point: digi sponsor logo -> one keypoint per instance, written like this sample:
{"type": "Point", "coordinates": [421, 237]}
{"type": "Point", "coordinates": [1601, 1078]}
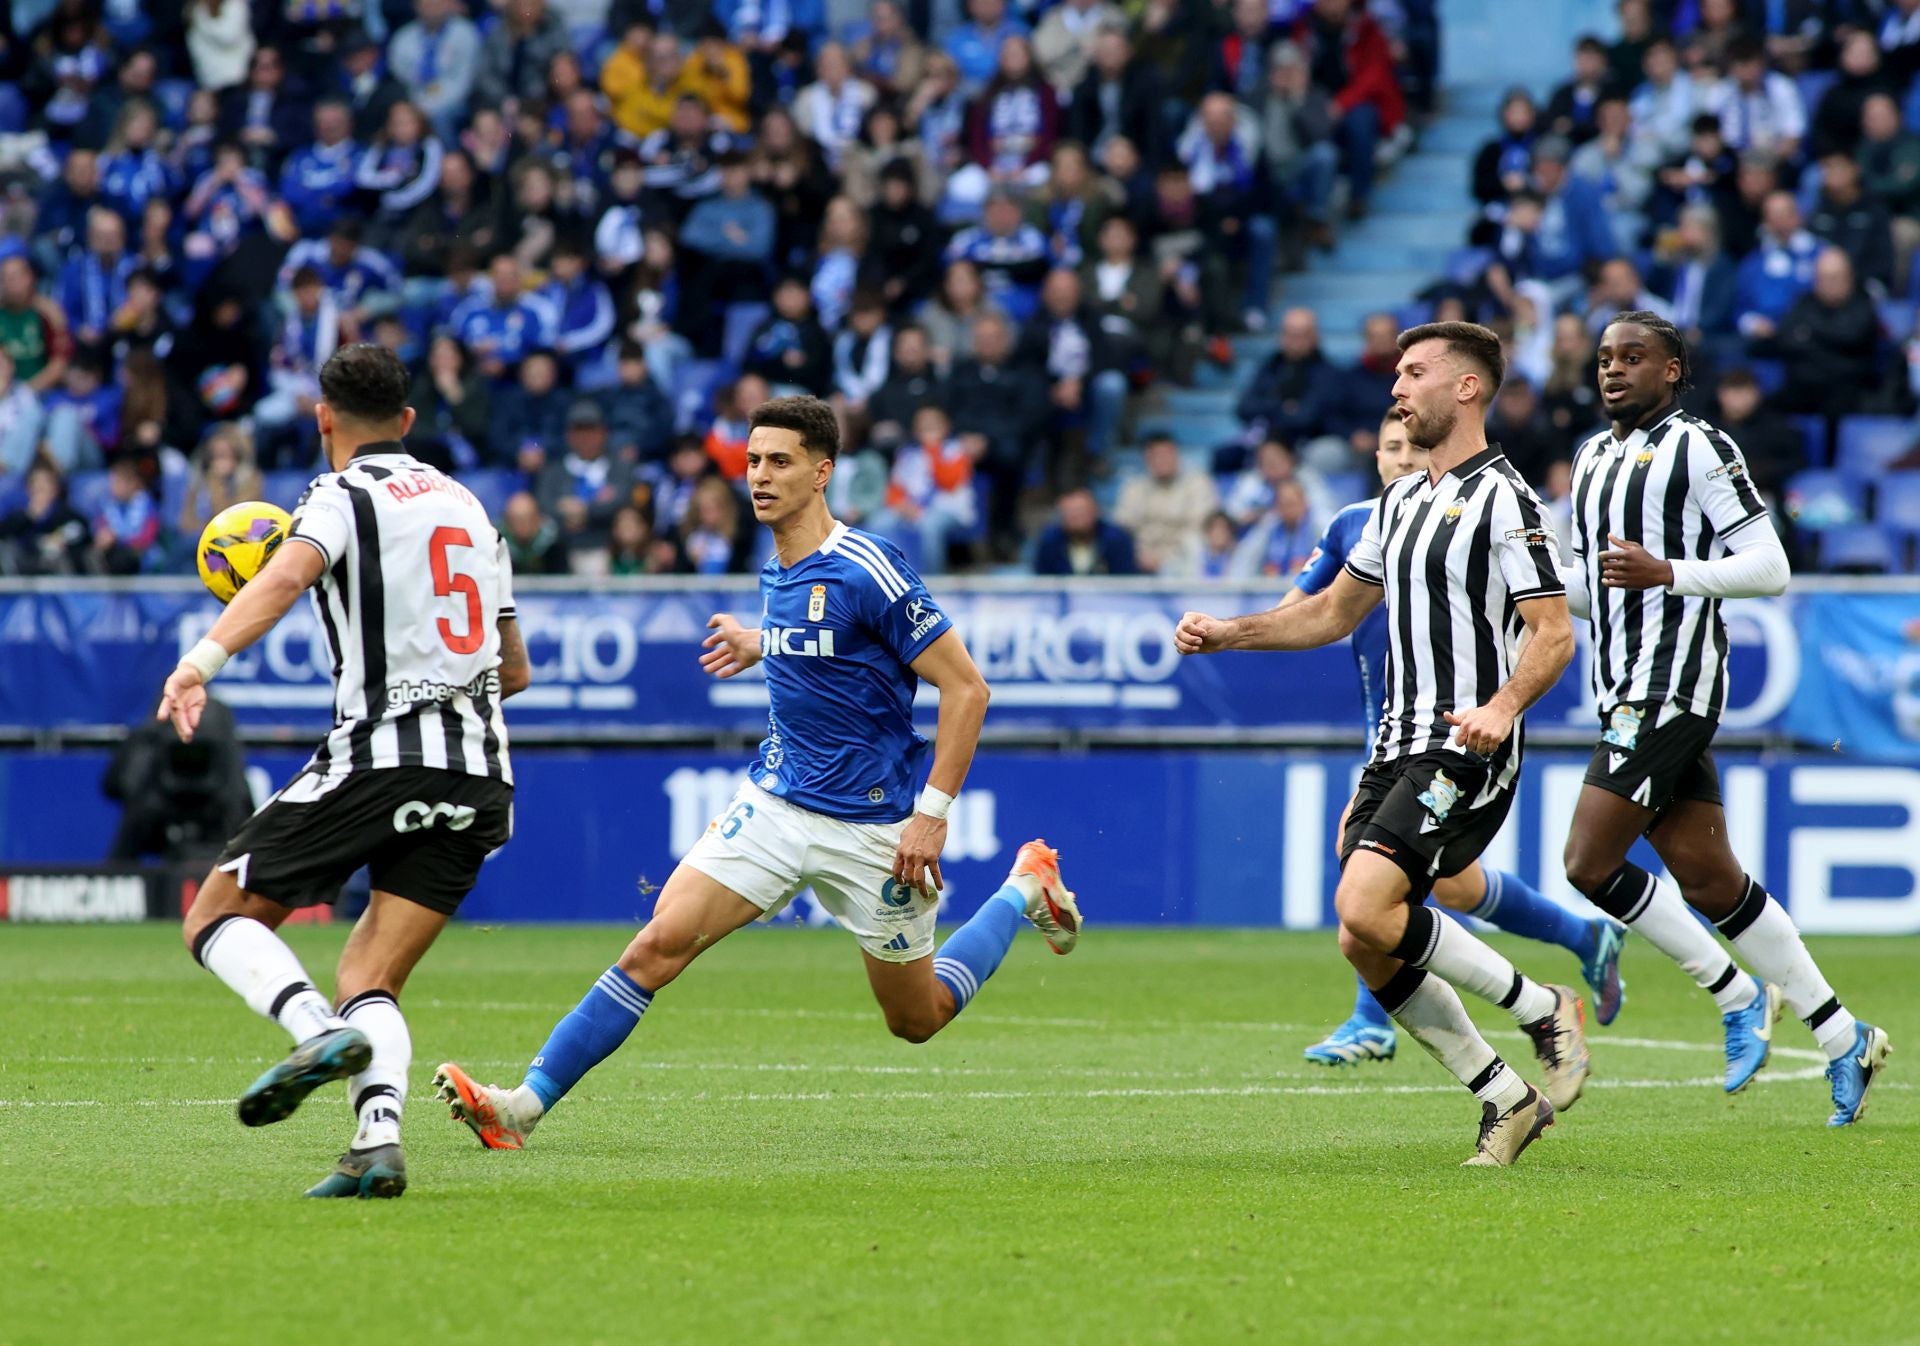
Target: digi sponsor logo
{"type": "Point", "coordinates": [796, 642]}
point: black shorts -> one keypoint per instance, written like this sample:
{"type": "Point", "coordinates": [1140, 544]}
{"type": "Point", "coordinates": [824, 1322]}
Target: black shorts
{"type": "Point", "coordinates": [1654, 764]}
{"type": "Point", "coordinates": [422, 833]}
{"type": "Point", "coordinates": [1419, 813]}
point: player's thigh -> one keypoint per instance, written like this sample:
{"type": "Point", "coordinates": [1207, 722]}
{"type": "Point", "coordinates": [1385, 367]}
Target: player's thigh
{"type": "Point", "coordinates": [1605, 825]}
{"type": "Point", "coordinates": [387, 943]}
{"type": "Point", "coordinates": [746, 865]}
{"type": "Point", "coordinates": [914, 1002]}
{"type": "Point", "coordinates": [1372, 897]}
{"type": "Point", "coordinates": [694, 911]}
{"type": "Point", "coordinates": [850, 866]}
{"type": "Point", "coordinates": [1463, 891]}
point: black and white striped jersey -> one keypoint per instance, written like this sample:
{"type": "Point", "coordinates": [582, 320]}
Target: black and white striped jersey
{"type": "Point", "coordinates": [1680, 489]}
{"type": "Point", "coordinates": [1455, 557]}
{"type": "Point", "coordinates": [416, 583]}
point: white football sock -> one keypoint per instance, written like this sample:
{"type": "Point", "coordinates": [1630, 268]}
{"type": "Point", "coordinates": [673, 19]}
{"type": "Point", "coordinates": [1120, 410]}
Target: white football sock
{"type": "Point", "coordinates": [378, 1094]}
{"type": "Point", "coordinates": [1434, 1017]}
{"type": "Point", "coordinates": [1664, 921]}
{"type": "Point", "coordinates": [1761, 929]}
{"type": "Point", "coordinates": [1449, 950]}
{"type": "Point", "coordinates": [263, 971]}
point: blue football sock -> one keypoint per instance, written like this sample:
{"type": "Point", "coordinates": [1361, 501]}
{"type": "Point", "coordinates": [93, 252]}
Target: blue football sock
{"type": "Point", "coordinates": [1367, 1009]}
{"type": "Point", "coordinates": [589, 1035]}
{"type": "Point", "coordinates": [973, 952]}
{"type": "Point", "coordinates": [1514, 907]}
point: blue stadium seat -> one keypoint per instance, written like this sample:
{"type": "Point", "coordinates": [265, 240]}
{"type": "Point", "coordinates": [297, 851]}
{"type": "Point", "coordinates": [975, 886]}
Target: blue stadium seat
{"type": "Point", "coordinates": [1859, 549]}
{"type": "Point", "coordinates": [1771, 375]}
{"type": "Point", "coordinates": [1896, 502]}
{"type": "Point", "coordinates": [1813, 429]}
{"type": "Point", "coordinates": [87, 493]}
{"type": "Point", "coordinates": [491, 486]}
{"type": "Point", "coordinates": [1896, 316]}
{"type": "Point", "coordinates": [284, 488]}
{"type": "Point", "coordinates": [693, 385]}
{"type": "Point", "coordinates": [742, 321]}
{"type": "Point", "coordinates": [1866, 444]}
{"type": "Point", "coordinates": [1821, 498]}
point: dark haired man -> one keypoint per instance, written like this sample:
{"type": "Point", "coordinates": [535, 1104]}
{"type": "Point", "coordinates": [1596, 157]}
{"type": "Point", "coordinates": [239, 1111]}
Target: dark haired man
{"type": "Point", "coordinates": [849, 631]}
{"type": "Point", "coordinates": [413, 589]}
{"type": "Point", "coordinates": [1464, 661]}
{"type": "Point", "coordinates": [1659, 484]}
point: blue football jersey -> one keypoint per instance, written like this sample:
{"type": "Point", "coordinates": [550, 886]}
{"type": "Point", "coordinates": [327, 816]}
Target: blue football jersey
{"type": "Point", "coordinates": [1370, 637]}
{"type": "Point", "coordinates": [839, 632]}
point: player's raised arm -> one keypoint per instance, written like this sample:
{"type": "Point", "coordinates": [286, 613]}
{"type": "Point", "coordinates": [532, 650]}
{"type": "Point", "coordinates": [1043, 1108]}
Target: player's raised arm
{"type": "Point", "coordinates": [732, 649]}
{"type": "Point", "coordinates": [963, 709]}
{"type": "Point", "coordinates": [1312, 621]}
{"type": "Point", "coordinates": [253, 612]}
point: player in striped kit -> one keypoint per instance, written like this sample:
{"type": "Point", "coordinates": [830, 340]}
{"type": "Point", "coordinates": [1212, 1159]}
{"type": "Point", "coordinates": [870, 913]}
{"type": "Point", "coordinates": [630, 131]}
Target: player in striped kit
{"type": "Point", "coordinates": [413, 589]}
{"type": "Point", "coordinates": [1464, 559]}
{"type": "Point", "coordinates": [1666, 524]}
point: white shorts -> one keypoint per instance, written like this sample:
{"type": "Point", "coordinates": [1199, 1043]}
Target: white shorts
{"type": "Point", "coordinates": [767, 850]}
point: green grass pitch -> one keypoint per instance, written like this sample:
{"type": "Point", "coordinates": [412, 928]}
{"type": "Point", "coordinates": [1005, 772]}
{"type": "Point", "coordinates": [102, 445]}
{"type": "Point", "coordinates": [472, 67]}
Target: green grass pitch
{"type": "Point", "coordinates": [1121, 1146]}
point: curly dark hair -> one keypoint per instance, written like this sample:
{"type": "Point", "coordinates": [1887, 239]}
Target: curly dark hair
{"type": "Point", "coordinates": [365, 383]}
{"type": "Point", "coordinates": [809, 417]}
{"type": "Point", "coordinates": [1669, 336]}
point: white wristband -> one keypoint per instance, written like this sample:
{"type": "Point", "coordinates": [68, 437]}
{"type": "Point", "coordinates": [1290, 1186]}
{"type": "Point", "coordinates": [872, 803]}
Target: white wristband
{"type": "Point", "coordinates": [934, 803]}
{"type": "Point", "coordinates": [207, 659]}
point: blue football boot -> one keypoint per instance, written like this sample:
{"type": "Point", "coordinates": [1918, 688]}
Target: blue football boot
{"type": "Point", "coordinates": [377, 1172]}
{"type": "Point", "coordinates": [333, 1055]}
{"type": "Point", "coordinates": [1352, 1042]}
{"type": "Point", "coordinates": [1602, 971]}
{"type": "Point", "coordinates": [1750, 1037]}
{"type": "Point", "coordinates": [1853, 1074]}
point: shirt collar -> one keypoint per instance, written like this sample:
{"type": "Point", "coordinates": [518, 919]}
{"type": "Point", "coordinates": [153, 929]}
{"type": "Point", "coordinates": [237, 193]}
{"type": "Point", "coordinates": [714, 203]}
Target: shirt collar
{"type": "Point", "coordinates": [1471, 468]}
{"type": "Point", "coordinates": [381, 448]}
{"type": "Point", "coordinates": [1641, 436]}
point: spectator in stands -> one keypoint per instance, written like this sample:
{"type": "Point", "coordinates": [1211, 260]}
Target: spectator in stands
{"type": "Point", "coordinates": [1009, 254]}
{"type": "Point", "coordinates": [128, 525]}
{"type": "Point", "coordinates": [221, 357]}
{"type": "Point", "coordinates": [1662, 109]}
{"type": "Point", "coordinates": [462, 211]}
{"type": "Point", "coordinates": [93, 282]}
{"type": "Point", "coordinates": [912, 382]}
{"type": "Point", "coordinates": [1253, 490]}
{"type": "Point", "coordinates": [1574, 232]}
{"type": "Point", "coordinates": [515, 55]}
{"type": "Point", "coordinates": [318, 180]}
{"type": "Point", "coordinates": [1759, 109]}
{"type": "Point", "coordinates": [861, 351]}
{"type": "Point", "coordinates": [903, 253]}
{"type": "Point", "coordinates": [651, 296]}
{"type": "Point", "coordinates": [1118, 96]}
{"type": "Point", "coordinates": [223, 475]}
{"type": "Point", "coordinates": [1126, 296]}
{"type": "Point", "coordinates": [1221, 151]}
{"type": "Point", "coordinates": [1239, 58]}
{"type": "Point", "coordinates": [733, 406]}
{"type": "Point", "coordinates": [1573, 111]}
{"type": "Point", "coordinates": [1772, 445]}
{"type": "Point", "coordinates": [1889, 157]}
{"type": "Point", "coordinates": [1279, 542]}
{"type": "Point", "coordinates": [44, 535]}
{"type": "Point", "coordinates": [191, 154]}
{"type": "Point", "coordinates": [1285, 397]}
{"type": "Point", "coordinates": [265, 114]}
{"type": "Point", "coordinates": [1172, 38]}
{"type": "Point", "coordinates": [831, 109]}
{"type": "Point", "coordinates": [1704, 173]}
{"type": "Point", "coordinates": [884, 141]}
{"type": "Point", "coordinates": [639, 414]}
{"type": "Point", "coordinates": [1073, 206]}
{"type": "Point", "coordinates": [1857, 224]}
{"type": "Point", "coordinates": [791, 350]}
{"type": "Point", "coordinates": [1517, 424]}
{"type": "Point", "coordinates": [1618, 287]}
{"type": "Point", "coordinates": [582, 314]}
{"type": "Point", "coordinates": [1717, 28]}
{"type": "Point", "coordinates": [401, 166]}
{"type": "Point", "coordinates": [60, 225]}
{"type": "Point", "coordinates": [975, 45]}
{"type": "Point", "coordinates": [229, 200]}
{"type": "Point", "coordinates": [1694, 277]}
{"type": "Point", "coordinates": [82, 427]}
{"type": "Point", "coordinates": [1347, 51]}
{"type": "Point", "coordinates": [1741, 213]}
{"type": "Point", "coordinates": [1830, 342]}
{"type": "Point", "coordinates": [716, 536]}
{"type": "Point", "coordinates": [529, 415]}
{"type": "Point", "coordinates": [634, 549]}
{"type": "Point", "coordinates": [220, 41]}
{"type": "Point", "coordinates": [787, 169]}
{"type": "Point", "coordinates": [1504, 164]}
{"type": "Point", "coordinates": [936, 115]}
{"type": "Point", "coordinates": [1567, 396]}
{"type": "Point", "coordinates": [1777, 272]}
{"type": "Point", "coordinates": [1608, 161]}
{"type": "Point", "coordinates": [1296, 128]}
{"type": "Point", "coordinates": [1085, 385]}
{"type": "Point", "coordinates": [132, 172]}
{"type": "Point", "coordinates": [1366, 390]}
{"type": "Point", "coordinates": [453, 404]}
{"type": "Point", "coordinates": [930, 489]}
{"type": "Point", "coordinates": [583, 486]}
{"type": "Point", "coordinates": [369, 90]}
{"type": "Point", "coordinates": [503, 326]}
{"type": "Point", "coordinates": [21, 416]}
{"type": "Point", "coordinates": [1006, 404]}
{"type": "Point", "coordinates": [437, 57]}
{"type": "Point", "coordinates": [721, 76]}
{"type": "Point", "coordinates": [1080, 542]}
{"type": "Point", "coordinates": [309, 333]}
{"type": "Point", "coordinates": [1063, 43]}
{"type": "Point", "coordinates": [135, 80]}
{"type": "Point", "coordinates": [534, 544]}
{"type": "Point", "coordinates": [1011, 126]}
{"type": "Point", "coordinates": [1900, 39]}
{"type": "Point", "coordinates": [360, 280]}
{"type": "Point", "coordinates": [537, 217]}
{"type": "Point", "coordinates": [889, 55]}
{"type": "Point", "coordinates": [837, 267]}
{"type": "Point", "coordinates": [1626, 58]}
{"type": "Point", "coordinates": [1836, 122]}
{"type": "Point", "coordinates": [1165, 508]}
{"type": "Point", "coordinates": [1219, 539]}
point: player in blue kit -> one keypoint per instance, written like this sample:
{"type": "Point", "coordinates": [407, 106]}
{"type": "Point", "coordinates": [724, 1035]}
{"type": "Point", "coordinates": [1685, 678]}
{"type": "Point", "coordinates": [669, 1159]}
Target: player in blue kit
{"type": "Point", "coordinates": [1502, 900]}
{"type": "Point", "coordinates": [847, 634]}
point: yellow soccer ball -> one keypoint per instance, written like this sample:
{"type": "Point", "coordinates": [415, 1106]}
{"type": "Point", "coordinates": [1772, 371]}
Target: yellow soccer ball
{"type": "Point", "coordinates": [237, 542]}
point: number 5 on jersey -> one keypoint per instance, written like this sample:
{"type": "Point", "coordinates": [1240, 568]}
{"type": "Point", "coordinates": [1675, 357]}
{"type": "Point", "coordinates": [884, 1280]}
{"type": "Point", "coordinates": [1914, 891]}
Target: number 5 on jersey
{"type": "Point", "coordinates": [447, 582]}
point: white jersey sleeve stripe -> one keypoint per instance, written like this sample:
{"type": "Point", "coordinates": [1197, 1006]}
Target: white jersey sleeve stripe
{"type": "Point", "coordinates": [876, 564]}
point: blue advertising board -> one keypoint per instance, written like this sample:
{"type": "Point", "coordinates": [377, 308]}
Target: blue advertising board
{"type": "Point", "coordinates": [620, 662]}
{"type": "Point", "coordinates": [1185, 837]}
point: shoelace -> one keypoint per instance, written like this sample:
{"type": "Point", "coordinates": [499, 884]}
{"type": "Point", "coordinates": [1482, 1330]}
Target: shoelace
{"type": "Point", "coordinates": [1740, 1036]}
{"type": "Point", "coordinates": [1546, 1040]}
{"type": "Point", "coordinates": [1489, 1118]}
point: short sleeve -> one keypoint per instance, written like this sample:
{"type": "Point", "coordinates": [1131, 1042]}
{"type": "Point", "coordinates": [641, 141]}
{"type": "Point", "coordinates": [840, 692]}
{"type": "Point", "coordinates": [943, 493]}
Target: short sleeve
{"type": "Point", "coordinates": [896, 606]}
{"type": "Point", "coordinates": [504, 562]}
{"type": "Point", "coordinates": [324, 519]}
{"type": "Point", "coordinates": [1366, 561]}
{"type": "Point", "coordinates": [1720, 482]}
{"type": "Point", "coordinates": [1525, 544]}
{"type": "Point", "coordinates": [1324, 563]}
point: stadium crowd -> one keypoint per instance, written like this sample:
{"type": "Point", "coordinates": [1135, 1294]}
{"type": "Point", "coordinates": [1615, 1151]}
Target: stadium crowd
{"type": "Point", "coordinates": [602, 231]}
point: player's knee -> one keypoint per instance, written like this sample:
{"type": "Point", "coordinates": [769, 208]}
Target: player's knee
{"type": "Point", "coordinates": [658, 954]}
{"type": "Point", "coordinates": [1710, 878]}
{"type": "Point", "coordinates": [1352, 947]}
{"type": "Point", "coordinates": [915, 1025]}
{"type": "Point", "coordinates": [1365, 920]}
{"type": "Point", "coordinates": [1588, 866]}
